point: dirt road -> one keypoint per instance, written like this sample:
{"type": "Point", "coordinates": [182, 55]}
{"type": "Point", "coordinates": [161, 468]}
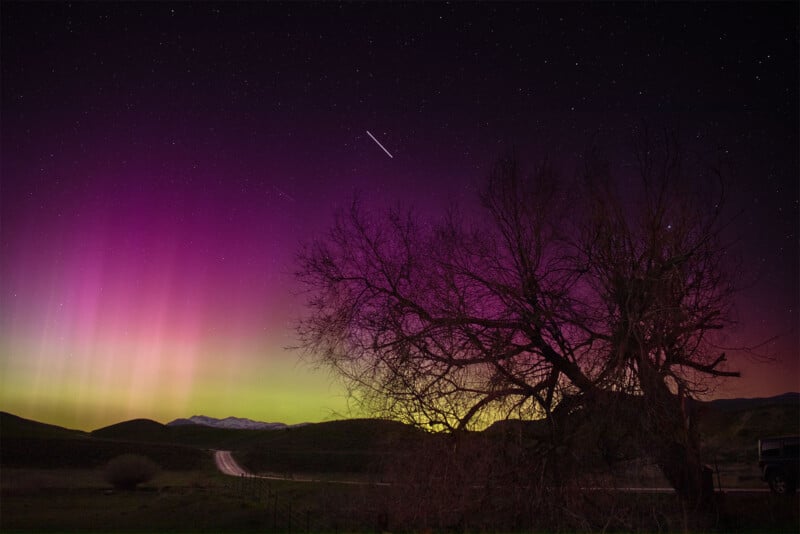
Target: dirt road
{"type": "Point", "coordinates": [227, 464]}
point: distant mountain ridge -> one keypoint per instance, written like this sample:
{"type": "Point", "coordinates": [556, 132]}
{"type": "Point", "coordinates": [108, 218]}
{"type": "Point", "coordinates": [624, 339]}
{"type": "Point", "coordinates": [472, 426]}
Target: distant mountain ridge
{"type": "Point", "coordinates": [729, 431]}
{"type": "Point", "coordinates": [13, 426]}
{"type": "Point", "coordinates": [238, 423]}
{"type": "Point", "coordinates": [792, 397]}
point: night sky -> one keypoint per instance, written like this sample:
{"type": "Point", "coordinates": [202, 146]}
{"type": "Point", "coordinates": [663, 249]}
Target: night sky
{"type": "Point", "coordinates": [162, 164]}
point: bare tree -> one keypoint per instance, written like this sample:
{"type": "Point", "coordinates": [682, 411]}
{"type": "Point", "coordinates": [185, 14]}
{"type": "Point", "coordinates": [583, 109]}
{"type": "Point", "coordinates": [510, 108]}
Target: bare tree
{"type": "Point", "coordinates": [588, 297]}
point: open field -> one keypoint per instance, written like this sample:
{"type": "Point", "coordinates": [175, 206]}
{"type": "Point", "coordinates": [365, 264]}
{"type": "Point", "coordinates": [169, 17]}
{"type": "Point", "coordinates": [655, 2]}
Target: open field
{"type": "Point", "coordinates": [185, 506]}
{"type": "Point", "coordinates": [78, 500]}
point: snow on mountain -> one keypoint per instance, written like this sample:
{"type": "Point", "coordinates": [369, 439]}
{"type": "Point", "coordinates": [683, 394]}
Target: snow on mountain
{"type": "Point", "coordinates": [228, 422]}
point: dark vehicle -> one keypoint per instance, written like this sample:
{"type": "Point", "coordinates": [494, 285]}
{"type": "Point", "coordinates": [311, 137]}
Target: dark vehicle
{"type": "Point", "coordinates": [779, 460]}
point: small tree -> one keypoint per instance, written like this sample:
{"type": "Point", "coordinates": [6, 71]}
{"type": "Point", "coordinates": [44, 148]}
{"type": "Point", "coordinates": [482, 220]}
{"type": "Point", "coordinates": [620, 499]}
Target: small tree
{"type": "Point", "coordinates": [127, 471]}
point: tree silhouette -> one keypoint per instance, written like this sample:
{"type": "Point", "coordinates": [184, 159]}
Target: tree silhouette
{"type": "Point", "coordinates": [600, 297]}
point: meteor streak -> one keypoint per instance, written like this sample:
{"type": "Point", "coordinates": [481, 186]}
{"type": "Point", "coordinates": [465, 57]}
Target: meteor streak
{"type": "Point", "coordinates": [379, 144]}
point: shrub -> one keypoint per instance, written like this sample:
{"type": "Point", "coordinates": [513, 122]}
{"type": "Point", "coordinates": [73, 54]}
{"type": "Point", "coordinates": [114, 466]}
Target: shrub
{"type": "Point", "coordinates": [129, 470]}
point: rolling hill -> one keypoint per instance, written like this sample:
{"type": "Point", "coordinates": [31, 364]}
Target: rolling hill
{"type": "Point", "coordinates": [350, 445]}
{"type": "Point", "coordinates": [192, 435]}
{"type": "Point", "coordinates": [135, 430]}
{"type": "Point", "coordinates": [729, 405]}
{"type": "Point", "coordinates": [12, 426]}
{"type": "Point", "coordinates": [729, 429]}
{"type": "Point", "coordinates": [27, 443]}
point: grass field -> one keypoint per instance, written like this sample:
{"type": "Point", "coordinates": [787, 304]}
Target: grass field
{"type": "Point", "coordinates": [175, 508]}
{"type": "Point", "coordinates": [78, 500]}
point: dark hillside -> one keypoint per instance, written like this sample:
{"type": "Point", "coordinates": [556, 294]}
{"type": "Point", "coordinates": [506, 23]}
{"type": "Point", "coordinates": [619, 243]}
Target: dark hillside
{"type": "Point", "coordinates": [148, 431]}
{"type": "Point", "coordinates": [93, 453]}
{"type": "Point", "coordinates": [214, 438]}
{"type": "Point", "coordinates": [12, 426]}
{"type": "Point", "coordinates": [26, 443]}
{"type": "Point", "coordinates": [135, 430]}
{"type": "Point", "coordinates": [727, 405]}
{"type": "Point", "coordinates": [510, 427]}
{"type": "Point", "coordinates": [732, 433]}
{"type": "Point", "coordinates": [353, 445]}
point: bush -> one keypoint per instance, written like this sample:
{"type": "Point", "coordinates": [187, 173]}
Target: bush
{"type": "Point", "coordinates": [129, 470]}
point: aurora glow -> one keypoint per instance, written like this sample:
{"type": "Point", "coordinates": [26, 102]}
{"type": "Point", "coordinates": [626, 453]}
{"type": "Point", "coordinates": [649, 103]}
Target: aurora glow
{"type": "Point", "coordinates": [137, 296]}
{"type": "Point", "coordinates": [162, 163]}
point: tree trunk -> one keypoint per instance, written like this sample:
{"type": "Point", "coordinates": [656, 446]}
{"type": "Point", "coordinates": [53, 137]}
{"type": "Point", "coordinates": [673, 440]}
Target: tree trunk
{"type": "Point", "coordinates": [667, 433]}
{"type": "Point", "coordinates": [672, 441]}
{"type": "Point", "coordinates": [686, 473]}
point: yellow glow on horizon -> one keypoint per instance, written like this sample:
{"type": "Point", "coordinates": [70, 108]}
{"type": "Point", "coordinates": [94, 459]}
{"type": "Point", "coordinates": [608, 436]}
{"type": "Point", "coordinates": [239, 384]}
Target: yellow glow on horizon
{"type": "Point", "coordinates": [88, 389]}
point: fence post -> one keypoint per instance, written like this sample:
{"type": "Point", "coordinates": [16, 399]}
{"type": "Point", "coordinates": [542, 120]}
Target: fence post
{"type": "Point", "coordinates": [275, 511]}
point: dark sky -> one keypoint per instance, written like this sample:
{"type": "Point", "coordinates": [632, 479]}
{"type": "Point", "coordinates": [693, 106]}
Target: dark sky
{"type": "Point", "coordinates": [162, 162]}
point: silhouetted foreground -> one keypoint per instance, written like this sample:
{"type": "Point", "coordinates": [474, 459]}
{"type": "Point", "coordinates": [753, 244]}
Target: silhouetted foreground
{"type": "Point", "coordinates": [414, 485]}
{"type": "Point", "coordinates": [36, 501]}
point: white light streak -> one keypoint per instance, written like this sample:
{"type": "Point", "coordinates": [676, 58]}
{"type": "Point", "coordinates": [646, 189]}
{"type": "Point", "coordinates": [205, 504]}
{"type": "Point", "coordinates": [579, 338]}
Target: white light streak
{"type": "Point", "coordinates": [379, 144]}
